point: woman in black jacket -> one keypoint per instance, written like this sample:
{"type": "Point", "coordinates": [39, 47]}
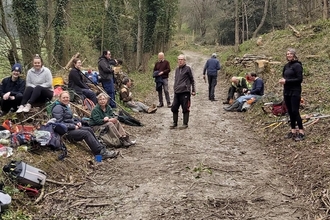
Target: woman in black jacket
{"type": "Point", "coordinates": [76, 131]}
{"type": "Point", "coordinates": [291, 81]}
{"type": "Point", "coordinates": [76, 82]}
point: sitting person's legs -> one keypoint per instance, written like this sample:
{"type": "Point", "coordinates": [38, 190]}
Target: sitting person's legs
{"type": "Point", "coordinates": [90, 95]}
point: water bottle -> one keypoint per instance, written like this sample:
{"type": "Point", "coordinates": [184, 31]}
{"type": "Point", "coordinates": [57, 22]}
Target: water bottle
{"type": "Point", "coordinates": [5, 134]}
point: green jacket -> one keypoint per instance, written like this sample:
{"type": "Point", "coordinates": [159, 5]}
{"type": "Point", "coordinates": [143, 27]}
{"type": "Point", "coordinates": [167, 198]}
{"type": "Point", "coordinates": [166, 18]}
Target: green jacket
{"type": "Point", "coordinates": [98, 115]}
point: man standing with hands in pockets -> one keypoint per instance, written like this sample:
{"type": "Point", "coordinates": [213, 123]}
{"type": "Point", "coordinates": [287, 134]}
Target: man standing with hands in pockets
{"type": "Point", "coordinates": [212, 66]}
{"type": "Point", "coordinates": [184, 87]}
{"type": "Point", "coordinates": [163, 68]}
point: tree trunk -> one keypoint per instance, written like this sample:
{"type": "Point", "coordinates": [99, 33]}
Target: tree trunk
{"type": "Point", "coordinates": [262, 19]}
{"type": "Point", "coordinates": [12, 52]}
{"type": "Point", "coordinates": [139, 38]}
{"type": "Point", "coordinates": [27, 22]}
{"type": "Point", "coordinates": [47, 19]}
{"type": "Point", "coordinates": [236, 27]}
{"type": "Point", "coordinates": [325, 9]}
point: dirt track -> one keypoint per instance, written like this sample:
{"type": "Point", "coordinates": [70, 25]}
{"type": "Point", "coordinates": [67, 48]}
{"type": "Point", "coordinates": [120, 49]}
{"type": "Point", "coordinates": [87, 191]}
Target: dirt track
{"type": "Point", "coordinates": [215, 169]}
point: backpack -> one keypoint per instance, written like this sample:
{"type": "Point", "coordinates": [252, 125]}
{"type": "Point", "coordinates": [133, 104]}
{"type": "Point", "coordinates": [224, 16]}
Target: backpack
{"type": "Point", "coordinates": [106, 137]}
{"type": "Point", "coordinates": [279, 109]}
{"type": "Point", "coordinates": [89, 104]}
{"type": "Point", "coordinates": [50, 135]}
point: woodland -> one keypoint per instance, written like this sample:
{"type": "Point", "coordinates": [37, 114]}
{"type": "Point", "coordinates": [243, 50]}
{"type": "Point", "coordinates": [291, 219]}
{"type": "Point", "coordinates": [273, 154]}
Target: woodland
{"type": "Point", "coordinates": [135, 31]}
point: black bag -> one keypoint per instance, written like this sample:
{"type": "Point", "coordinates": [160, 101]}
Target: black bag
{"type": "Point", "coordinates": [126, 118]}
{"type": "Point", "coordinates": [25, 175]}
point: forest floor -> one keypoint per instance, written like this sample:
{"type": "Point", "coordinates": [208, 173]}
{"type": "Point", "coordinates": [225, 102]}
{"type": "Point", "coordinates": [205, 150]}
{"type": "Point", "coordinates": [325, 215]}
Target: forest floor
{"type": "Point", "coordinates": [217, 168]}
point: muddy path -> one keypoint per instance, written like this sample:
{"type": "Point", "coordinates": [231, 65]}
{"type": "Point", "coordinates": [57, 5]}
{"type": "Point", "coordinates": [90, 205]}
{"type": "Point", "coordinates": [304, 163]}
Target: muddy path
{"type": "Point", "coordinates": [215, 169]}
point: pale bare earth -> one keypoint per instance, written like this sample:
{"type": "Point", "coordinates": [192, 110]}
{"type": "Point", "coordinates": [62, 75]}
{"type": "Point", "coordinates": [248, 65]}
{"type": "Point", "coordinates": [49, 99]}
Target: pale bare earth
{"type": "Point", "coordinates": [215, 169]}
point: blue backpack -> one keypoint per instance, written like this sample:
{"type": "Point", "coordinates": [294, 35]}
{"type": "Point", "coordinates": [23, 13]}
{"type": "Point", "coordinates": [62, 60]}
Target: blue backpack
{"type": "Point", "coordinates": [50, 135]}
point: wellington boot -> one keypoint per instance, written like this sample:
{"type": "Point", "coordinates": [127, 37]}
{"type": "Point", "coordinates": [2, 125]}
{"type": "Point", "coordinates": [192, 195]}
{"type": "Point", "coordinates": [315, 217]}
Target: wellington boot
{"type": "Point", "coordinates": [233, 107]}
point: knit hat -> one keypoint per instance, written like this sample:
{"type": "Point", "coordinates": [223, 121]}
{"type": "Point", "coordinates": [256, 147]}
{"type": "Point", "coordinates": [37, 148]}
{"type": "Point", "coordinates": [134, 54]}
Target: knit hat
{"type": "Point", "coordinates": [214, 55]}
{"type": "Point", "coordinates": [17, 67]}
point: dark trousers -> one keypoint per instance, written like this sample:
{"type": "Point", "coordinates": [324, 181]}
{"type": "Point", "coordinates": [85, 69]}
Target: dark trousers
{"type": "Point", "coordinates": [90, 95]}
{"type": "Point", "coordinates": [167, 95]}
{"type": "Point", "coordinates": [37, 94]}
{"type": "Point", "coordinates": [87, 134]}
{"type": "Point", "coordinates": [231, 92]}
{"type": "Point", "coordinates": [212, 83]}
{"type": "Point", "coordinates": [293, 103]}
{"type": "Point", "coordinates": [183, 100]}
{"type": "Point", "coordinates": [6, 105]}
{"type": "Point", "coordinates": [109, 87]}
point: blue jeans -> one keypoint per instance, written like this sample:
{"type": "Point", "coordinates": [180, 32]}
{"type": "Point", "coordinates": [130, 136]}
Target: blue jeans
{"type": "Point", "coordinates": [90, 95]}
{"type": "Point", "coordinates": [109, 87]}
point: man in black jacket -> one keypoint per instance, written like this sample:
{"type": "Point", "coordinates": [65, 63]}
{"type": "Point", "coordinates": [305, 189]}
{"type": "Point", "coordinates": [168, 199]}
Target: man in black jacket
{"type": "Point", "coordinates": [184, 87]}
{"type": "Point", "coordinates": [11, 90]}
{"type": "Point", "coordinates": [106, 72]}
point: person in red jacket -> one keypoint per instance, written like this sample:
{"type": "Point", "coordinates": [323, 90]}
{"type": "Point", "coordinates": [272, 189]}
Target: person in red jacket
{"type": "Point", "coordinates": [163, 69]}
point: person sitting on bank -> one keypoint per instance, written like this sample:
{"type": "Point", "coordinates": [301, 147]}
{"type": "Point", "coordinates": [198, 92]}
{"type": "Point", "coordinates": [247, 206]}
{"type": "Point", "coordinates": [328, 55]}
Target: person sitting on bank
{"type": "Point", "coordinates": [126, 97]}
{"type": "Point", "coordinates": [12, 89]}
{"type": "Point", "coordinates": [238, 85]}
{"type": "Point", "coordinates": [39, 86]}
{"type": "Point", "coordinates": [76, 82]}
{"type": "Point", "coordinates": [102, 115]}
{"type": "Point", "coordinates": [76, 131]}
{"type": "Point", "coordinates": [255, 93]}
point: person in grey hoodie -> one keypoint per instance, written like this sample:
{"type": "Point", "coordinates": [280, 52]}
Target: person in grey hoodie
{"type": "Point", "coordinates": [212, 66]}
{"type": "Point", "coordinates": [39, 85]}
{"type": "Point", "coordinates": [184, 87]}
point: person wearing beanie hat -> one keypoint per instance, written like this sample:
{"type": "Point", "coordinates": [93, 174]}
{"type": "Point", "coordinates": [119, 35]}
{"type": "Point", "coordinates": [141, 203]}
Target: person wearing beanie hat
{"type": "Point", "coordinates": [292, 77]}
{"type": "Point", "coordinates": [17, 67]}
{"type": "Point", "coordinates": [39, 86]}
{"type": "Point", "coordinates": [11, 90]}
{"type": "Point", "coordinates": [212, 66]}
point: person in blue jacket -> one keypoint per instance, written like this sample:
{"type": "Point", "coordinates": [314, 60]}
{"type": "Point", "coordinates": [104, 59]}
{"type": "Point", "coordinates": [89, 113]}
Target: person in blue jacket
{"type": "Point", "coordinates": [212, 66]}
{"type": "Point", "coordinates": [12, 89]}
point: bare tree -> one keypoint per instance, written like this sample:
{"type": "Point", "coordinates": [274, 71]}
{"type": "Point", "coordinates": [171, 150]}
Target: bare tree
{"type": "Point", "coordinates": [236, 26]}
{"type": "Point", "coordinates": [262, 19]}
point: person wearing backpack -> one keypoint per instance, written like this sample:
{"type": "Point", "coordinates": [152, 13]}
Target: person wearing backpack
{"type": "Point", "coordinates": [76, 132]}
{"type": "Point", "coordinates": [102, 115]}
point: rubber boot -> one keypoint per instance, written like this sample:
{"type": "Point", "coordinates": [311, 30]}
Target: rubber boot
{"type": "Point", "coordinates": [233, 107]}
{"type": "Point", "coordinates": [175, 120]}
{"type": "Point", "coordinates": [185, 120]}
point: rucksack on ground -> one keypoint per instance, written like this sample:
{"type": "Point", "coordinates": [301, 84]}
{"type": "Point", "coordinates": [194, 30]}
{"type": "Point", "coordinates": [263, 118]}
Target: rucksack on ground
{"type": "Point", "coordinates": [24, 174]}
{"type": "Point", "coordinates": [53, 138]}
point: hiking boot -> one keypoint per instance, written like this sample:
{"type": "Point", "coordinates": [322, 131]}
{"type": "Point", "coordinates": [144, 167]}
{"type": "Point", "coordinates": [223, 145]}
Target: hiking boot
{"type": "Point", "coordinates": [299, 137]}
{"type": "Point", "coordinates": [291, 135]}
{"type": "Point", "coordinates": [27, 107]}
{"type": "Point", "coordinates": [152, 109]}
{"type": "Point", "coordinates": [108, 154]}
{"type": "Point", "coordinates": [20, 109]}
{"type": "Point", "coordinates": [184, 126]}
{"type": "Point", "coordinates": [214, 100]}
{"type": "Point", "coordinates": [225, 103]}
{"type": "Point", "coordinates": [169, 105]}
{"type": "Point", "coordinates": [127, 139]}
{"type": "Point", "coordinates": [174, 125]}
{"type": "Point", "coordinates": [233, 107]}
{"type": "Point", "coordinates": [124, 142]}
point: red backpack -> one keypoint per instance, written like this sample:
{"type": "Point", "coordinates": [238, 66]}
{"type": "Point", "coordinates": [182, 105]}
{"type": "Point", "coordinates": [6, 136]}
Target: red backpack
{"type": "Point", "coordinates": [279, 109]}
